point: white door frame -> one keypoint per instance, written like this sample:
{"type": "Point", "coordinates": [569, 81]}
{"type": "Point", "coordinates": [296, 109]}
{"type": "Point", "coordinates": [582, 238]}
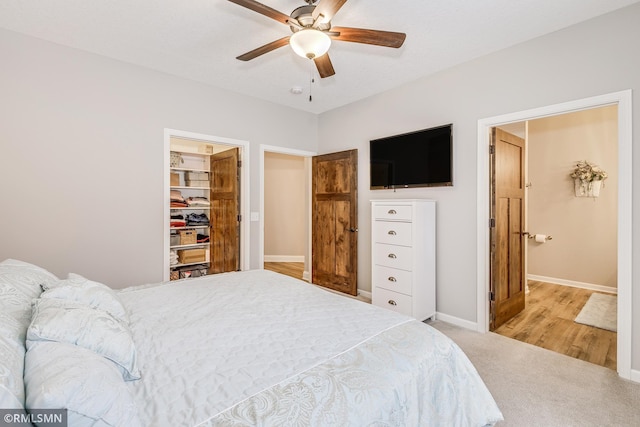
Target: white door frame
{"type": "Point", "coordinates": [625, 244]}
{"type": "Point", "coordinates": [293, 152]}
{"type": "Point", "coordinates": [244, 191]}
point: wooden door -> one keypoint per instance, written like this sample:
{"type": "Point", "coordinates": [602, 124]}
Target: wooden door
{"type": "Point", "coordinates": [507, 238]}
{"type": "Point", "coordinates": [224, 216]}
{"type": "Point", "coordinates": [335, 221]}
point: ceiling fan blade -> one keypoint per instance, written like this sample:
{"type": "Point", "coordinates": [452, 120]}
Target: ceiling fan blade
{"type": "Point", "coordinates": [327, 8]}
{"type": "Point", "coordinates": [324, 66]}
{"type": "Point", "coordinates": [264, 49]}
{"type": "Point", "coordinates": [376, 37]}
{"type": "Point", "coordinates": [263, 9]}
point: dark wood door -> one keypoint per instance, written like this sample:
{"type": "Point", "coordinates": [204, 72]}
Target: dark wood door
{"type": "Point", "coordinates": [224, 216]}
{"type": "Point", "coordinates": [507, 239]}
{"type": "Point", "coordinates": [335, 221]}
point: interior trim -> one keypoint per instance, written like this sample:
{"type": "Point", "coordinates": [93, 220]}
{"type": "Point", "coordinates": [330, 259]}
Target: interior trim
{"type": "Point", "coordinates": [293, 152]}
{"type": "Point", "coordinates": [245, 237]}
{"type": "Point", "coordinates": [625, 244]}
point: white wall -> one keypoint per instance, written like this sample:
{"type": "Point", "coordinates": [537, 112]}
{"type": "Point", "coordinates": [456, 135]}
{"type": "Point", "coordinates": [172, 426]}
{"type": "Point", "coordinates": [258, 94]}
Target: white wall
{"type": "Point", "coordinates": [81, 143]}
{"type": "Point", "coordinates": [592, 58]}
{"type": "Point", "coordinates": [285, 220]}
{"type": "Point", "coordinates": [584, 229]}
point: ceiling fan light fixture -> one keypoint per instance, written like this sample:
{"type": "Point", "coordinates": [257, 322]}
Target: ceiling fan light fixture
{"type": "Point", "coordinates": [310, 43]}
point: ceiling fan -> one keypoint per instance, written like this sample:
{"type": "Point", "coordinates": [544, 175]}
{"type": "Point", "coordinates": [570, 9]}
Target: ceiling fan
{"type": "Point", "coordinates": [312, 32]}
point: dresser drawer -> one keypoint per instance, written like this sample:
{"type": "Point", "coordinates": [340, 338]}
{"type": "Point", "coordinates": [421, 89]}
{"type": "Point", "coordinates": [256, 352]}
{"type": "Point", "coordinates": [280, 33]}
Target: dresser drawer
{"type": "Point", "coordinates": [393, 233]}
{"type": "Point", "coordinates": [392, 212]}
{"type": "Point", "coordinates": [393, 256]}
{"type": "Point", "coordinates": [393, 301]}
{"type": "Point", "coordinates": [392, 279]}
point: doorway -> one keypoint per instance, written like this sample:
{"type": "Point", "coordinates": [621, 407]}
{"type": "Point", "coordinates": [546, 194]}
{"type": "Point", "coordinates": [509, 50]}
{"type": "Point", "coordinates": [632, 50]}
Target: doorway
{"type": "Point", "coordinates": [207, 143]}
{"type": "Point", "coordinates": [331, 217]}
{"type": "Point", "coordinates": [570, 250]}
{"type": "Point", "coordinates": [624, 242]}
{"type": "Point", "coordinates": [272, 182]}
{"type": "Point", "coordinates": [285, 213]}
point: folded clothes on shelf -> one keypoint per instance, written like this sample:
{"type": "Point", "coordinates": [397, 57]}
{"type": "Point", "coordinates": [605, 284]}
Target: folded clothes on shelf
{"type": "Point", "coordinates": [202, 238]}
{"type": "Point", "coordinates": [177, 201]}
{"type": "Point", "coordinates": [198, 201]}
{"type": "Point", "coordinates": [176, 196]}
{"type": "Point", "coordinates": [177, 220]}
{"type": "Point", "coordinates": [197, 219]}
{"type": "Point", "coordinates": [173, 258]}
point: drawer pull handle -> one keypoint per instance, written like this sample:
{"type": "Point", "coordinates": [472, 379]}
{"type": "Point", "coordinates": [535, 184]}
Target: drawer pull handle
{"type": "Point", "coordinates": [391, 279]}
{"type": "Point", "coordinates": [391, 233]}
{"type": "Point", "coordinates": [392, 256]}
{"type": "Point", "coordinates": [392, 212]}
{"type": "Point", "coordinates": [392, 302]}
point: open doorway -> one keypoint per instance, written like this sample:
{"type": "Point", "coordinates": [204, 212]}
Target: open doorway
{"type": "Point", "coordinates": [285, 200]}
{"type": "Point", "coordinates": [285, 213]}
{"type": "Point", "coordinates": [624, 241]}
{"type": "Point", "coordinates": [209, 170]}
{"type": "Point", "coordinates": [570, 236]}
{"type": "Point", "coordinates": [331, 217]}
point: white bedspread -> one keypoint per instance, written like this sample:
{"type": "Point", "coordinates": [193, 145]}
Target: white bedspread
{"type": "Point", "coordinates": [259, 348]}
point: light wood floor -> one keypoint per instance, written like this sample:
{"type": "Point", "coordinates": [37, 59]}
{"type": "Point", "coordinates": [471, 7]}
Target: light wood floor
{"type": "Point", "coordinates": [548, 321]}
{"type": "Point", "coordinates": [293, 269]}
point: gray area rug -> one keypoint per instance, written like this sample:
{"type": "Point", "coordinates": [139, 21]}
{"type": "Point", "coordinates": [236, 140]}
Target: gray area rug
{"type": "Point", "coordinates": [600, 311]}
{"type": "Point", "coordinates": [535, 387]}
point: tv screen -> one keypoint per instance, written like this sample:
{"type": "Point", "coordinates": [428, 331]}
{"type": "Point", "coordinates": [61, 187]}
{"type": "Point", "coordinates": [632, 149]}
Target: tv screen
{"type": "Point", "coordinates": [416, 159]}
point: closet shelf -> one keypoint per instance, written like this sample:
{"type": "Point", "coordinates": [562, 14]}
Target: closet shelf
{"type": "Point", "coordinates": [200, 208]}
{"type": "Point", "coordinates": [185, 187]}
{"type": "Point", "coordinates": [189, 170]}
{"type": "Point", "coordinates": [194, 245]}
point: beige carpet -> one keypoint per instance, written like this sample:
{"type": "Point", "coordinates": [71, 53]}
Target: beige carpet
{"type": "Point", "coordinates": [537, 387]}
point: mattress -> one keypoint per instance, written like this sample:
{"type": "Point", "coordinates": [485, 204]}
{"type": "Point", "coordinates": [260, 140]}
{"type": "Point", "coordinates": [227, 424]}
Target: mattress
{"type": "Point", "coordinates": [259, 348]}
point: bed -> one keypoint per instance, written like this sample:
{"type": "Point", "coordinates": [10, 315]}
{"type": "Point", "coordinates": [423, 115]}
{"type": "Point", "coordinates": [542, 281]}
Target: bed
{"type": "Point", "coordinates": [252, 348]}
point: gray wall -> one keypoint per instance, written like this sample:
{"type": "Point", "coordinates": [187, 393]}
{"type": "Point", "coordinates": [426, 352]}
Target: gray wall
{"type": "Point", "coordinates": [81, 143]}
{"type": "Point", "coordinates": [592, 58]}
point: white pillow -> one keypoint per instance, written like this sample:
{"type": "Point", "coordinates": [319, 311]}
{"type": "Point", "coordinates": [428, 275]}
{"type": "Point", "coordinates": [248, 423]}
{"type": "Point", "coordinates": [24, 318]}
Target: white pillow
{"type": "Point", "coordinates": [24, 277]}
{"type": "Point", "coordinates": [64, 376]}
{"type": "Point", "coordinates": [11, 362]}
{"type": "Point", "coordinates": [75, 323]}
{"type": "Point", "coordinates": [20, 283]}
{"type": "Point", "coordinates": [93, 294]}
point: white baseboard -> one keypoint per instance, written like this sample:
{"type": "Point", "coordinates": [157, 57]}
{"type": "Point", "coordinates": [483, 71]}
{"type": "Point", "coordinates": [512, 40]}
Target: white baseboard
{"type": "Point", "coordinates": [635, 376]}
{"type": "Point", "coordinates": [457, 321]}
{"type": "Point", "coordinates": [365, 294]}
{"type": "Point", "coordinates": [306, 276]}
{"type": "Point", "coordinates": [573, 284]}
{"type": "Point", "coordinates": [284, 258]}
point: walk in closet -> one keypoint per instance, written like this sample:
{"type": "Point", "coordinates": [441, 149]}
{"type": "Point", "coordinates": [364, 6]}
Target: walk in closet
{"type": "Point", "coordinates": [204, 209]}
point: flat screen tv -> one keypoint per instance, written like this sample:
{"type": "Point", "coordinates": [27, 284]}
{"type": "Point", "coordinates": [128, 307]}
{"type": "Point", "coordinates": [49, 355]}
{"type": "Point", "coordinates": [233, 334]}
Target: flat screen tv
{"type": "Point", "coordinates": [416, 159]}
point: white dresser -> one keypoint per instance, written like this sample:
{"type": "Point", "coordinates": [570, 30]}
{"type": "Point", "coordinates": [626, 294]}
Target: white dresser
{"type": "Point", "coordinates": [403, 256]}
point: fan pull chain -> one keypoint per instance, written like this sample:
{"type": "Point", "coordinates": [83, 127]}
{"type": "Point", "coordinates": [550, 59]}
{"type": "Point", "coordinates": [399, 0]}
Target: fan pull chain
{"type": "Point", "coordinates": [311, 79]}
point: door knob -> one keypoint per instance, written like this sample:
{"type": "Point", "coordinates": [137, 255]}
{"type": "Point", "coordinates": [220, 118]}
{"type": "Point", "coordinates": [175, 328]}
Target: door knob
{"type": "Point", "coordinates": [353, 230]}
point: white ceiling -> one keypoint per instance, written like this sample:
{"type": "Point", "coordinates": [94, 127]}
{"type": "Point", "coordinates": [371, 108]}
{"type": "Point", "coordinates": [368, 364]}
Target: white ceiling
{"type": "Point", "coordinates": [199, 39]}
